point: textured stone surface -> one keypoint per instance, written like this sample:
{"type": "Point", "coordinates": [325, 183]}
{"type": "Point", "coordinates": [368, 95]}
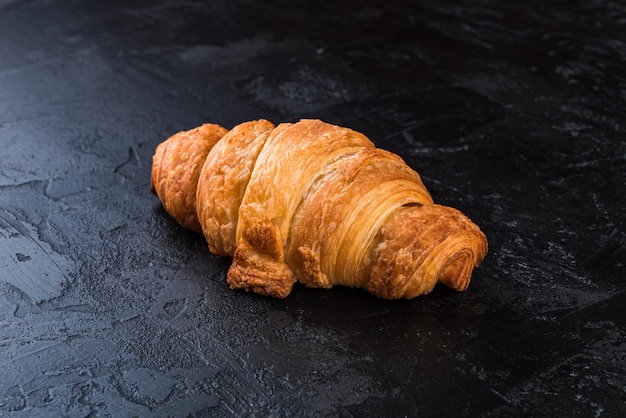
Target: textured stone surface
{"type": "Point", "coordinates": [512, 112]}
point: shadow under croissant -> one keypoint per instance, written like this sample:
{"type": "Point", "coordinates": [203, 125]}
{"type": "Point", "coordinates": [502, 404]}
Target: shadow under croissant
{"type": "Point", "coordinates": [314, 203]}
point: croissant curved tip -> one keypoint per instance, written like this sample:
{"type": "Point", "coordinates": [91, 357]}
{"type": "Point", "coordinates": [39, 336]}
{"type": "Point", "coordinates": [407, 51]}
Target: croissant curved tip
{"type": "Point", "coordinates": [456, 273]}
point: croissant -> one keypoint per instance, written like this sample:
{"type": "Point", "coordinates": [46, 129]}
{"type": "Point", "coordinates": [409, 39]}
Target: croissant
{"type": "Point", "coordinates": [314, 203]}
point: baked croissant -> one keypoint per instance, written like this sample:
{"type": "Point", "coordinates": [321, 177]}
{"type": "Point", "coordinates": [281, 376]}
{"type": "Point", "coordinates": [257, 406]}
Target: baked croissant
{"type": "Point", "coordinates": [314, 203]}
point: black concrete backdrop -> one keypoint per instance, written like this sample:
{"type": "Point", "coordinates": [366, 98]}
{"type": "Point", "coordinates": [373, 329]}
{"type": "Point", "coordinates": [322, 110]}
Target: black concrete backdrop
{"type": "Point", "coordinates": [513, 112]}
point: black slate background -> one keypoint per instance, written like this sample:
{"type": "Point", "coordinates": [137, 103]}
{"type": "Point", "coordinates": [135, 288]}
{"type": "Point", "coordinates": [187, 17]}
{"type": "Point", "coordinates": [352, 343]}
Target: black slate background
{"type": "Point", "coordinates": [513, 112]}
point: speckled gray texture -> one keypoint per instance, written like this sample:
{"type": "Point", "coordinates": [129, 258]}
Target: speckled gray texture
{"type": "Point", "coordinates": [512, 112]}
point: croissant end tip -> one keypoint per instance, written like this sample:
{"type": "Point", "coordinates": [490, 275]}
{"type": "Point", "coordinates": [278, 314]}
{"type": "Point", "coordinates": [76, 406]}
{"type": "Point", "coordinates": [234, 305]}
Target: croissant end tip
{"type": "Point", "coordinates": [456, 273]}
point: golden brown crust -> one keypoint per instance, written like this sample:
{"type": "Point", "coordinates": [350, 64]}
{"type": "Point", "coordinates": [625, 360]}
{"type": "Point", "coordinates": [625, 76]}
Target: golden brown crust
{"type": "Point", "coordinates": [286, 166]}
{"type": "Point", "coordinates": [176, 167]}
{"type": "Point", "coordinates": [258, 272]}
{"type": "Point", "coordinates": [223, 182]}
{"type": "Point", "coordinates": [314, 203]}
{"type": "Point", "coordinates": [419, 246]}
{"type": "Point", "coordinates": [343, 211]}
{"type": "Point", "coordinates": [285, 169]}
